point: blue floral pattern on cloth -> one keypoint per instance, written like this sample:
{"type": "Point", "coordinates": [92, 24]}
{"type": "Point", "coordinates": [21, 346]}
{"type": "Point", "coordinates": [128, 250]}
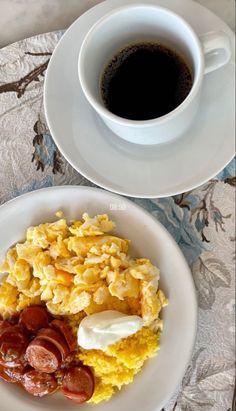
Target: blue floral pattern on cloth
{"type": "Point", "coordinates": [34, 185]}
{"type": "Point", "coordinates": [176, 221]}
{"type": "Point", "coordinates": [201, 221]}
{"type": "Point", "coordinates": [45, 150]}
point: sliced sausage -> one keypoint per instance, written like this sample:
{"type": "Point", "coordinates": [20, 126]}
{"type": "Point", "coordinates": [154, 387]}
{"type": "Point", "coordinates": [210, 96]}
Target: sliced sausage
{"type": "Point", "coordinates": [77, 398]}
{"type": "Point", "coordinates": [13, 320]}
{"type": "Point", "coordinates": [13, 334]}
{"type": "Point", "coordinates": [55, 338]}
{"type": "Point", "coordinates": [13, 343]}
{"type": "Point", "coordinates": [78, 384]}
{"type": "Point", "coordinates": [3, 325]}
{"type": "Point", "coordinates": [34, 318]}
{"type": "Point", "coordinates": [66, 331]}
{"type": "Point", "coordinates": [39, 383]}
{"type": "Point", "coordinates": [3, 375]}
{"type": "Point", "coordinates": [12, 354]}
{"type": "Point", "coordinates": [3, 329]}
{"type": "Point", "coordinates": [43, 355]}
{"type": "Point", "coordinates": [15, 374]}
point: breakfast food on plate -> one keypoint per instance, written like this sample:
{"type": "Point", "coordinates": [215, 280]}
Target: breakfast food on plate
{"type": "Point", "coordinates": [79, 314]}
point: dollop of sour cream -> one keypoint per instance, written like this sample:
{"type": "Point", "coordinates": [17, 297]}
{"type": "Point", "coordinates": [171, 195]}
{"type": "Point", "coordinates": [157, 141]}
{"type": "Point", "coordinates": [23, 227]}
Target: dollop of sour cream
{"type": "Point", "coordinates": [98, 331]}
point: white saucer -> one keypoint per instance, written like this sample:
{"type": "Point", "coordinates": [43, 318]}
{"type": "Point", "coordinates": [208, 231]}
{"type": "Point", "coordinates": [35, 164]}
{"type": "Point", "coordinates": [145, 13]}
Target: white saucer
{"type": "Point", "coordinates": [126, 168]}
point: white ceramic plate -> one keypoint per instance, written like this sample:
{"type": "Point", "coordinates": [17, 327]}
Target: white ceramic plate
{"type": "Point", "coordinates": [160, 377]}
{"type": "Point", "coordinates": [126, 168]}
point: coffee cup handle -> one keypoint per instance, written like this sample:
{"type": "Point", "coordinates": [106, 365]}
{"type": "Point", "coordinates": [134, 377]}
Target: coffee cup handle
{"type": "Point", "coordinates": [216, 48]}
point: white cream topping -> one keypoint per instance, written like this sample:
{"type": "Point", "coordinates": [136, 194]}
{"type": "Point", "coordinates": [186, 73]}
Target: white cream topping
{"type": "Point", "coordinates": [97, 331]}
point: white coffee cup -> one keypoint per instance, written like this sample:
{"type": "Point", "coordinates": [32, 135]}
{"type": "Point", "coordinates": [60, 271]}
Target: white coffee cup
{"type": "Point", "coordinates": [137, 23]}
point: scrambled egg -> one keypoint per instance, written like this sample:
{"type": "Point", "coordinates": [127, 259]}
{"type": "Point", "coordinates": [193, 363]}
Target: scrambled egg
{"type": "Point", "coordinates": [79, 269]}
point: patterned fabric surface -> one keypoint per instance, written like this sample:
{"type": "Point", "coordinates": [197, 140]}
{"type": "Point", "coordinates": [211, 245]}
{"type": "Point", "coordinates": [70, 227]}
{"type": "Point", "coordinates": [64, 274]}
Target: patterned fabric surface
{"type": "Point", "coordinates": [201, 221]}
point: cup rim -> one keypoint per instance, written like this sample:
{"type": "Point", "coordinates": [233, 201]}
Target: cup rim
{"type": "Point", "coordinates": [108, 115]}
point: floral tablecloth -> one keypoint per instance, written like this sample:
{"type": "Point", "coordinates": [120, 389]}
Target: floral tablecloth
{"type": "Point", "coordinates": [201, 221]}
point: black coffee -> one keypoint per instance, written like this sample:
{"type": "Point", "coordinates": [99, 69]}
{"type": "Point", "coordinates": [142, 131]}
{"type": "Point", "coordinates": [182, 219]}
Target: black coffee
{"type": "Point", "coordinates": [145, 81]}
